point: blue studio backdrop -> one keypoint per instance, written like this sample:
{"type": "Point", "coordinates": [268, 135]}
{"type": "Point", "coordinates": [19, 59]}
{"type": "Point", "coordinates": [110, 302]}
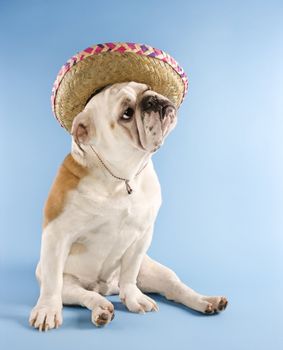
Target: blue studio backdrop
{"type": "Point", "coordinates": [221, 170]}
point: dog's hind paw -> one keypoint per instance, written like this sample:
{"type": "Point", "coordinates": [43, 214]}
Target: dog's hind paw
{"type": "Point", "coordinates": [215, 304]}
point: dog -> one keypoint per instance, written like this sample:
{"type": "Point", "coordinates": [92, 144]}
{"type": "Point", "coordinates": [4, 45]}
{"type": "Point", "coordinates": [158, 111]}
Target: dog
{"type": "Point", "coordinates": [100, 213]}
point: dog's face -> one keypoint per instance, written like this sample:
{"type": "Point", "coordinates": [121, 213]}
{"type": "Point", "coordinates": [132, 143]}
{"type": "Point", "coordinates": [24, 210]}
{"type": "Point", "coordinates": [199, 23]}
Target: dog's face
{"type": "Point", "coordinates": [125, 115]}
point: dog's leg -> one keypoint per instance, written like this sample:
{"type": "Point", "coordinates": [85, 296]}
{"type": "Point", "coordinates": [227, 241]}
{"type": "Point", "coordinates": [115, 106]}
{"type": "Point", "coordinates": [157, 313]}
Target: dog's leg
{"type": "Point", "coordinates": [55, 246]}
{"type": "Point", "coordinates": [156, 278]}
{"type": "Point", "coordinates": [74, 294]}
{"type": "Point", "coordinates": [130, 294]}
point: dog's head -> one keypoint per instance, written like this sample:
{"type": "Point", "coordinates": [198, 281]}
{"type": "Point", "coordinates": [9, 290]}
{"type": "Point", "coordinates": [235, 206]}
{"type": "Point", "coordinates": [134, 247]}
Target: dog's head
{"type": "Point", "coordinates": [125, 115]}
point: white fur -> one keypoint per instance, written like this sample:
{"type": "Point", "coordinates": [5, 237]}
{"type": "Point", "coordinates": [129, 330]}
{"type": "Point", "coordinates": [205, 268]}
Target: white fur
{"type": "Point", "coordinates": [114, 228]}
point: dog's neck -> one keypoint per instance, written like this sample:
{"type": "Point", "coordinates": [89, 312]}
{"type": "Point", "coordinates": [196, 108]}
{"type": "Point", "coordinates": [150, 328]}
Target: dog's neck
{"type": "Point", "coordinates": [126, 166]}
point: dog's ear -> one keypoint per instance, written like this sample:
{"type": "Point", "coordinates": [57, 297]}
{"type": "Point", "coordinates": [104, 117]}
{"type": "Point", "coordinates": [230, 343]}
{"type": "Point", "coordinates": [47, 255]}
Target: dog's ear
{"type": "Point", "coordinates": [83, 128]}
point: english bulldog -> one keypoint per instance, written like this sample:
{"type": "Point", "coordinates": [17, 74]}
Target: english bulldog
{"type": "Point", "coordinates": [100, 212]}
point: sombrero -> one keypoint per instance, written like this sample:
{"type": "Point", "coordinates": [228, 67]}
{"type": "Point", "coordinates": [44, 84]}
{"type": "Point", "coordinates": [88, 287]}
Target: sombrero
{"type": "Point", "coordinates": [103, 64]}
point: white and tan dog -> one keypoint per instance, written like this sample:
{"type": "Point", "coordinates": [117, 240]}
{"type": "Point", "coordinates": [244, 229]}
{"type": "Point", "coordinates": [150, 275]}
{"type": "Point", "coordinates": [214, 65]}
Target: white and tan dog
{"type": "Point", "coordinates": [95, 234]}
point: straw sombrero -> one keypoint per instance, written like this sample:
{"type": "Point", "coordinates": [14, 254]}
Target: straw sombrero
{"type": "Point", "coordinates": [109, 63]}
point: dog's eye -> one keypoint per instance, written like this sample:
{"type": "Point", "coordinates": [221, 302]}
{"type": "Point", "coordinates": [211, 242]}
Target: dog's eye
{"type": "Point", "coordinates": [128, 114]}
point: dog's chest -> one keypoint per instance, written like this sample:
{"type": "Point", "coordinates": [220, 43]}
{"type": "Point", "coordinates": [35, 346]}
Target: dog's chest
{"type": "Point", "coordinates": [108, 227]}
{"type": "Point", "coordinates": [116, 212]}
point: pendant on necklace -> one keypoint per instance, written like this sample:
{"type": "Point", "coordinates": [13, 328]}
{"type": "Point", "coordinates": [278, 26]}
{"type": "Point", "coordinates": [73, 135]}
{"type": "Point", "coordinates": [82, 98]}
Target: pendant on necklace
{"type": "Point", "coordinates": [128, 187]}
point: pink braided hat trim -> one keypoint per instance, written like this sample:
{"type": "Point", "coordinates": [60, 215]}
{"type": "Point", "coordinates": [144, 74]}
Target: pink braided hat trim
{"type": "Point", "coordinates": [139, 49]}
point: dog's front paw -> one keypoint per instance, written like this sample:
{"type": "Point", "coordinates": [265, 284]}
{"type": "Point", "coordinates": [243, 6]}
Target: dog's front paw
{"type": "Point", "coordinates": [136, 301]}
{"type": "Point", "coordinates": [46, 315]}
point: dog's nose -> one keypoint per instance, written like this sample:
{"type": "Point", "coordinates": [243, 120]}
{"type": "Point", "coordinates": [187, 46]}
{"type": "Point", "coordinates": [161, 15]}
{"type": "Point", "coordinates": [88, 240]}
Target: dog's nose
{"type": "Point", "coordinates": [153, 103]}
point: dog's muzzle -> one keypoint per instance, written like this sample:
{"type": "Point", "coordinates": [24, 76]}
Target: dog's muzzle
{"type": "Point", "coordinates": [157, 117]}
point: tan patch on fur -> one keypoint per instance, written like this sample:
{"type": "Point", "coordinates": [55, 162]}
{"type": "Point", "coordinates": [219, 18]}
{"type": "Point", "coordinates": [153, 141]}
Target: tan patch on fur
{"type": "Point", "coordinates": [77, 248]}
{"type": "Point", "coordinates": [68, 177]}
{"type": "Point", "coordinates": [112, 125]}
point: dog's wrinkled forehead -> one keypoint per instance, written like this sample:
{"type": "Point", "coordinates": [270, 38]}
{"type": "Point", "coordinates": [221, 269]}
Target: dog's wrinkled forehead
{"type": "Point", "coordinates": [129, 88]}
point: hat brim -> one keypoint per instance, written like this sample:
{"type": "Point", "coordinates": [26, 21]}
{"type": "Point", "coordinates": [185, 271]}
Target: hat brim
{"type": "Point", "coordinates": [105, 64]}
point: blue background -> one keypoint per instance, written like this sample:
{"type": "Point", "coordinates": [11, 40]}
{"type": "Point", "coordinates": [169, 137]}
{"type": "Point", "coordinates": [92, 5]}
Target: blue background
{"type": "Point", "coordinates": [221, 170]}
